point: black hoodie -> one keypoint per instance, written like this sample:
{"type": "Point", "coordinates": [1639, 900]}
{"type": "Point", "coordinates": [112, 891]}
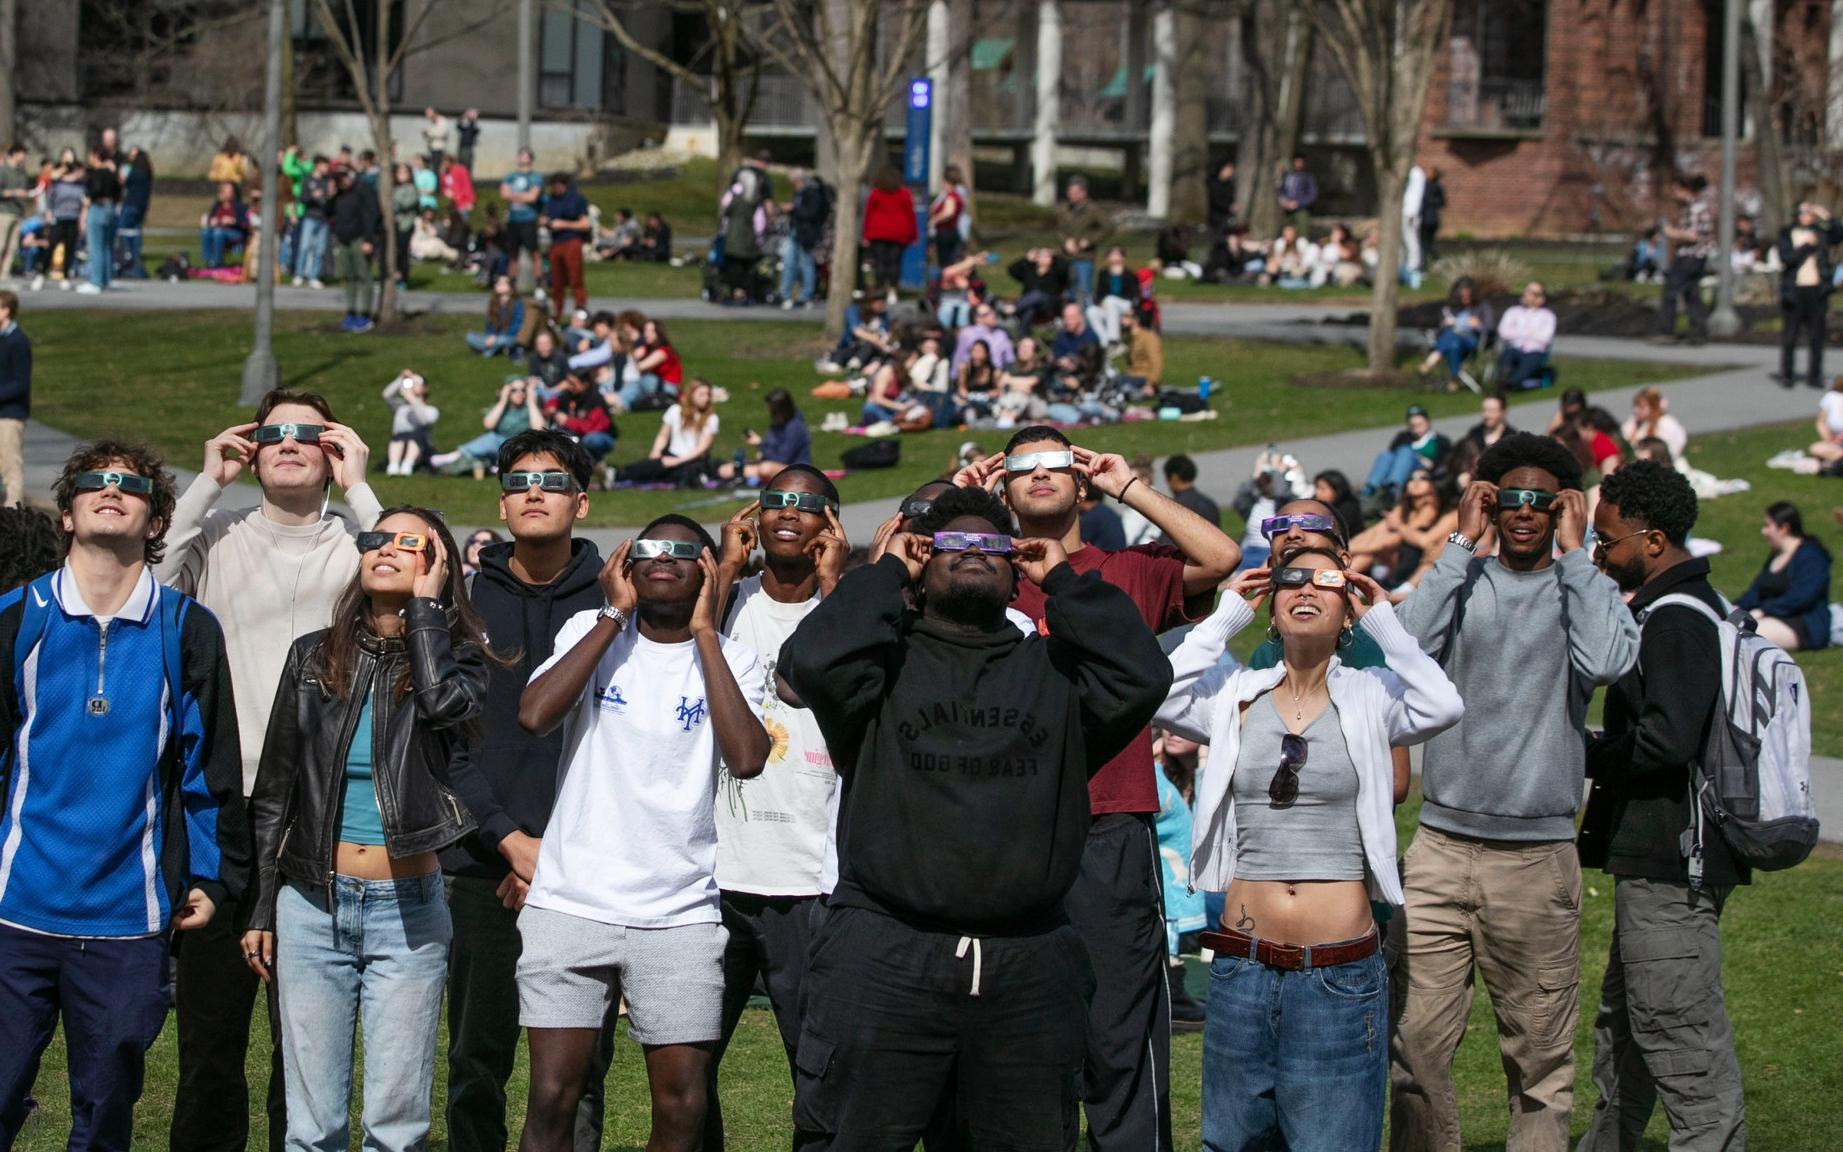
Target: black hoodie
{"type": "Point", "coordinates": [966, 756]}
{"type": "Point", "coordinates": [514, 778]}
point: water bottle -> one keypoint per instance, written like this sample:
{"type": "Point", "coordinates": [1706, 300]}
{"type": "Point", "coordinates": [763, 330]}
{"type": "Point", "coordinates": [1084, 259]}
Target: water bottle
{"type": "Point", "coordinates": [1204, 384]}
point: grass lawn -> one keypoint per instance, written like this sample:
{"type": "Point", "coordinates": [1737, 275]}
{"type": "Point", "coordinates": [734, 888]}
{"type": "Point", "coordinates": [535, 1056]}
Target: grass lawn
{"type": "Point", "coordinates": [185, 369]}
{"type": "Point", "coordinates": [1783, 976]}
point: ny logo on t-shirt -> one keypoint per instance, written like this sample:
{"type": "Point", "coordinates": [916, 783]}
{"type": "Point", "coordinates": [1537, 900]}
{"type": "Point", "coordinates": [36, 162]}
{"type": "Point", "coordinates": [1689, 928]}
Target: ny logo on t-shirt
{"type": "Point", "coordinates": [690, 714]}
{"type": "Point", "coordinates": [611, 699]}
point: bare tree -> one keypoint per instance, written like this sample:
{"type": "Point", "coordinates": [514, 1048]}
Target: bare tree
{"type": "Point", "coordinates": [852, 72]}
{"type": "Point", "coordinates": [956, 104]}
{"type": "Point", "coordinates": [1276, 48]}
{"type": "Point", "coordinates": [729, 91]}
{"type": "Point", "coordinates": [9, 53]}
{"type": "Point", "coordinates": [370, 79]}
{"type": "Point", "coordinates": [1763, 85]}
{"type": "Point", "coordinates": [1190, 135]}
{"type": "Point", "coordinates": [1386, 49]}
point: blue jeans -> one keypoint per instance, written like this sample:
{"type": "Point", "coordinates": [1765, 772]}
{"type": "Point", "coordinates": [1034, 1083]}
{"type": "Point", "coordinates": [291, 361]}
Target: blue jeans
{"type": "Point", "coordinates": [1295, 1060]}
{"type": "Point", "coordinates": [597, 445]}
{"type": "Point", "coordinates": [484, 447]}
{"type": "Point", "coordinates": [310, 248]}
{"type": "Point", "coordinates": [1254, 556]}
{"type": "Point", "coordinates": [377, 958]}
{"type": "Point", "coordinates": [128, 237]}
{"type": "Point", "coordinates": [215, 243]}
{"type": "Point", "coordinates": [101, 236]}
{"type": "Point", "coordinates": [476, 341]}
{"type": "Point", "coordinates": [631, 392]}
{"type": "Point", "coordinates": [1393, 466]}
{"type": "Point", "coordinates": [1455, 346]}
{"type": "Point", "coordinates": [110, 996]}
{"type": "Point", "coordinates": [1081, 272]}
{"type": "Point", "coordinates": [1518, 369]}
{"type": "Point", "coordinates": [797, 264]}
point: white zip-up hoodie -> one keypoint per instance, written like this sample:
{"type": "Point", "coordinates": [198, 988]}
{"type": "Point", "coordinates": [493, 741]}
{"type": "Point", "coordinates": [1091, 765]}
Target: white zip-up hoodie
{"type": "Point", "coordinates": [1377, 708]}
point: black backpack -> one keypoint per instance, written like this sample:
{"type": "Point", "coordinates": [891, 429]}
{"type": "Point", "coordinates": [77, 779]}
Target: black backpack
{"type": "Point", "coordinates": [886, 453]}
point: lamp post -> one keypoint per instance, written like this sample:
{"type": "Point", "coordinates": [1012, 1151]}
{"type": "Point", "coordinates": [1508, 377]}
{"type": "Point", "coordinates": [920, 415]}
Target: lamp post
{"type": "Point", "coordinates": [260, 372]}
{"type": "Point", "coordinates": [524, 269]}
{"type": "Point", "coordinates": [1725, 322]}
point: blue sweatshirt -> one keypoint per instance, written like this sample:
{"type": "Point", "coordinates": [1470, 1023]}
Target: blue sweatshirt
{"type": "Point", "coordinates": [110, 815]}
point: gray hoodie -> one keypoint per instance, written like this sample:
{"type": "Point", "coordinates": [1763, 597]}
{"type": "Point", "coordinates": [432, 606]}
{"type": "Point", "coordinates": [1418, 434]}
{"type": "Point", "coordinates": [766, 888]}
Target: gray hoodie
{"type": "Point", "coordinates": [1526, 651]}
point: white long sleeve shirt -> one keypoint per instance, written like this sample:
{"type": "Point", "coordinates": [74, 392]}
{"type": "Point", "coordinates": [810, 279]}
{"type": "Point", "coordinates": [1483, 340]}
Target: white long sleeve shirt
{"type": "Point", "coordinates": [1377, 708]}
{"type": "Point", "coordinates": [1527, 329]}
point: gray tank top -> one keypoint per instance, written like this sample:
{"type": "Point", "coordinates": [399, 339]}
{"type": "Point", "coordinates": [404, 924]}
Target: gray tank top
{"type": "Point", "coordinates": [1317, 837]}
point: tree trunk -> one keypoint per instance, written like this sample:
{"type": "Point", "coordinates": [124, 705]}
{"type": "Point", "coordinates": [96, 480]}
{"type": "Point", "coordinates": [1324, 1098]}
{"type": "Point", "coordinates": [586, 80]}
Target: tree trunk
{"type": "Point", "coordinates": [853, 148]}
{"type": "Point", "coordinates": [9, 74]}
{"type": "Point", "coordinates": [1189, 203]}
{"type": "Point", "coordinates": [729, 128]}
{"type": "Point", "coordinates": [1774, 163]}
{"type": "Point", "coordinates": [387, 151]}
{"type": "Point", "coordinates": [1281, 50]}
{"type": "Point", "coordinates": [956, 103]}
{"type": "Point", "coordinates": [1391, 182]}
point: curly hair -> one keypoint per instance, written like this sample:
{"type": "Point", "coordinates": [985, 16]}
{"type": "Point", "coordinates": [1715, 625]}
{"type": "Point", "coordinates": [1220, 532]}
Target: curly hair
{"type": "Point", "coordinates": [30, 546]}
{"type": "Point", "coordinates": [957, 502]}
{"type": "Point", "coordinates": [136, 458]}
{"type": "Point", "coordinates": [1654, 494]}
{"type": "Point", "coordinates": [1527, 450]}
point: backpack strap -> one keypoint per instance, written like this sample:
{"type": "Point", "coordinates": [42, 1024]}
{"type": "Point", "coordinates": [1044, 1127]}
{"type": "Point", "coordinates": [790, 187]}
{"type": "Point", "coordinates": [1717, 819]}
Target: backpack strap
{"type": "Point", "coordinates": [1681, 599]}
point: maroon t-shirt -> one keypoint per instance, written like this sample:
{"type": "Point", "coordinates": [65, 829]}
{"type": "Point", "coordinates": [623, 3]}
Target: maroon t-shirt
{"type": "Point", "coordinates": [1153, 575]}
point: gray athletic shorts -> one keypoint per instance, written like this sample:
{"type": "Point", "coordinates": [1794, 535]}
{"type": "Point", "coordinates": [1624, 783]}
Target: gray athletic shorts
{"type": "Point", "coordinates": [571, 969]}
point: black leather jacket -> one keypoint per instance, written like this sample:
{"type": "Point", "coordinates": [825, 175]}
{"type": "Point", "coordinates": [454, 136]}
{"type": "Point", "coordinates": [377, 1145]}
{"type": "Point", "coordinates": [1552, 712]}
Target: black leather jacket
{"type": "Point", "coordinates": [300, 787]}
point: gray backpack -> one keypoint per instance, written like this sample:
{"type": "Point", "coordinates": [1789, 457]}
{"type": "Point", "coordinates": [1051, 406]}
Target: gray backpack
{"type": "Point", "coordinates": [1753, 779]}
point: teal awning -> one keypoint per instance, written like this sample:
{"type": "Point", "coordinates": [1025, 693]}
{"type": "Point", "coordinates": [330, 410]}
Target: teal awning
{"type": "Point", "coordinates": [1116, 88]}
{"type": "Point", "coordinates": [990, 53]}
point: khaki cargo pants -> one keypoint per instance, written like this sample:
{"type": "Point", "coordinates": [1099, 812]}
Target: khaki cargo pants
{"type": "Point", "coordinates": [1663, 1031]}
{"type": "Point", "coordinates": [1514, 911]}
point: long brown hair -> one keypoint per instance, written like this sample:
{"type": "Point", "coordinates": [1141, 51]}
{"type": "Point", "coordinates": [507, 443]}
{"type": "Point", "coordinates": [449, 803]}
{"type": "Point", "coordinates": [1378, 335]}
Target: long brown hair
{"type": "Point", "coordinates": [351, 616]}
{"type": "Point", "coordinates": [690, 416]}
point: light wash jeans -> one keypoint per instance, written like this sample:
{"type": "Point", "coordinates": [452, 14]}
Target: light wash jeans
{"type": "Point", "coordinates": [1104, 318]}
{"type": "Point", "coordinates": [1296, 1060]}
{"type": "Point", "coordinates": [310, 249]}
{"type": "Point", "coordinates": [378, 957]}
{"type": "Point", "coordinates": [631, 391]}
{"type": "Point", "coordinates": [797, 264]}
{"type": "Point", "coordinates": [100, 233]}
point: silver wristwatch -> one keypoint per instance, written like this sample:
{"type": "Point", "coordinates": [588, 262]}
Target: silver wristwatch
{"type": "Point", "coordinates": [1464, 541]}
{"type": "Point", "coordinates": [610, 612]}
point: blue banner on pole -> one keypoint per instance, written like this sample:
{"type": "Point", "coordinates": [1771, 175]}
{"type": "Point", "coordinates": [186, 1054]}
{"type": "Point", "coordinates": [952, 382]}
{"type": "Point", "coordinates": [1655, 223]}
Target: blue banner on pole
{"type": "Point", "coordinates": [918, 127]}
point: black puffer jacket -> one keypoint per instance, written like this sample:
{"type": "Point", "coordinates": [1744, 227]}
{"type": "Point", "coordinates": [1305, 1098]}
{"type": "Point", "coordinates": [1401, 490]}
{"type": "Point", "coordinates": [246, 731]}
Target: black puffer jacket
{"type": "Point", "coordinates": [300, 787]}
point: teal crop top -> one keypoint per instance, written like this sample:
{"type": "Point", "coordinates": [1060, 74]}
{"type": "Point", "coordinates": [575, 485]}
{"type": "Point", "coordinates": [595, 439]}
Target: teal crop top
{"type": "Point", "coordinates": [359, 821]}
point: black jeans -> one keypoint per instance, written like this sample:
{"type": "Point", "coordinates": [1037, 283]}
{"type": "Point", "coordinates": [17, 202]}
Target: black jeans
{"type": "Point", "coordinates": [886, 263]}
{"type": "Point", "coordinates": [1802, 314]}
{"type": "Point", "coordinates": [769, 936]}
{"type": "Point", "coordinates": [898, 1021]}
{"type": "Point", "coordinates": [1684, 281]}
{"type": "Point", "coordinates": [1118, 907]}
{"type": "Point", "coordinates": [483, 1024]}
{"type": "Point", "coordinates": [217, 995]}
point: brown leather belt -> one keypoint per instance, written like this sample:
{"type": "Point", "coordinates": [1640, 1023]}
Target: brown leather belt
{"type": "Point", "coordinates": [1291, 957]}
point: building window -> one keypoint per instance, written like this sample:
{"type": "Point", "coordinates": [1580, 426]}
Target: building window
{"type": "Point", "coordinates": [320, 76]}
{"type": "Point", "coordinates": [1496, 60]}
{"type": "Point", "coordinates": [571, 57]}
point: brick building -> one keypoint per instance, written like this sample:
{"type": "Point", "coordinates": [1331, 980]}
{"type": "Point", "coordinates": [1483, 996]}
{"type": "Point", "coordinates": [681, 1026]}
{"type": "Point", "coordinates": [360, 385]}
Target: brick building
{"type": "Point", "coordinates": [1561, 117]}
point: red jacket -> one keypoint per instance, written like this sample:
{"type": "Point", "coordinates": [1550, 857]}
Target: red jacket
{"type": "Point", "coordinates": [890, 216]}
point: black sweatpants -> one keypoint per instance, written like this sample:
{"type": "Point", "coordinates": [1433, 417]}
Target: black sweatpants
{"type": "Point", "coordinates": [483, 1024]}
{"type": "Point", "coordinates": [896, 1020]}
{"type": "Point", "coordinates": [1803, 315]}
{"type": "Point", "coordinates": [1683, 281]}
{"type": "Point", "coordinates": [769, 936]}
{"type": "Point", "coordinates": [216, 996]}
{"type": "Point", "coordinates": [886, 263]}
{"type": "Point", "coordinates": [1118, 907]}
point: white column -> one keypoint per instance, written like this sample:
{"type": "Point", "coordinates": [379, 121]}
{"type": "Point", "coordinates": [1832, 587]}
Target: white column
{"type": "Point", "coordinates": [940, 44]}
{"type": "Point", "coordinates": [1049, 103]}
{"type": "Point", "coordinates": [1164, 113]}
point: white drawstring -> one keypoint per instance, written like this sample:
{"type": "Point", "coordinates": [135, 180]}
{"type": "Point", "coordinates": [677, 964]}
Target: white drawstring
{"type": "Point", "coordinates": [960, 954]}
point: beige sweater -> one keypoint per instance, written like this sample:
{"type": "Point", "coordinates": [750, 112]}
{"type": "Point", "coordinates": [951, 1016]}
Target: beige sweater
{"type": "Point", "coordinates": [267, 583]}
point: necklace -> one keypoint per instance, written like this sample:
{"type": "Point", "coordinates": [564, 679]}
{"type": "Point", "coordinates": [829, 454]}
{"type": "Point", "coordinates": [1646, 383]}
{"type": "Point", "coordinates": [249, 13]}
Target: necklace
{"type": "Point", "coordinates": [294, 596]}
{"type": "Point", "coordinates": [1299, 700]}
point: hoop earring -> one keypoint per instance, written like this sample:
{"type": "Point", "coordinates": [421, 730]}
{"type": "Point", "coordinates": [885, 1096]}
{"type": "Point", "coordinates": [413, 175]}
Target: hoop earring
{"type": "Point", "coordinates": [1347, 637]}
{"type": "Point", "coordinates": [1273, 634]}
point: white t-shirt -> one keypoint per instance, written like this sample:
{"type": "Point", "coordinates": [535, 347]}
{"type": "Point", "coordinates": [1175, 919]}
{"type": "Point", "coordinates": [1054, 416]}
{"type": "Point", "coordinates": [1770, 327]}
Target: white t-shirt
{"type": "Point", "coordinates": [1832, 408]}
{"type": "Point", "coordinates": [633, 837]}
{"type": "Point", "coordinates": [683, 441]}
{"type": "Point", "coordinates": [776, 832]}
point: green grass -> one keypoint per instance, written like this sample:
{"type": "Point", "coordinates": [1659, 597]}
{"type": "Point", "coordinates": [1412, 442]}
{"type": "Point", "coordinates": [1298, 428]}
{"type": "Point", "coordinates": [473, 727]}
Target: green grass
{"type": "Point", "coordinates": [184, 369]}
{"type": "Point", "coordinates": [1783, 975]}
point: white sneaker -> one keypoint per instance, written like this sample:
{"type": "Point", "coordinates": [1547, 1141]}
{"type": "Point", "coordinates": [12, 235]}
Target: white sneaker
{"type": "Point", "coordinates": [827, 366]}
{"type": "Point", "coordinates": [64, 285]}
{"type": "Point", "coordinates": [38, 282]}
{"type": "Point", "coordinates": [882, 428]}
{"type": "Point", "coordinates": [315, 285]}
{"type": "Point", "coordinates": [88, 289]}
{"type": "Point", "coordinates": [787, 305]}
{"type": "Point", "coordinates": [298, 282]}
